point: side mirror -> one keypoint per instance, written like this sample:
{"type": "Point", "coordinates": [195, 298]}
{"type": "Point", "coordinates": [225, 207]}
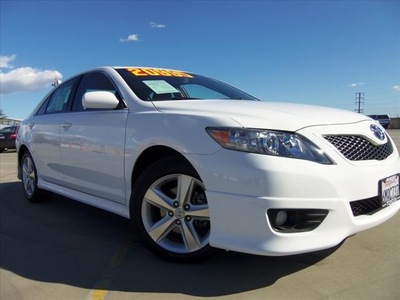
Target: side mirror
{"type": "Point", "coordinates": [99, 100]}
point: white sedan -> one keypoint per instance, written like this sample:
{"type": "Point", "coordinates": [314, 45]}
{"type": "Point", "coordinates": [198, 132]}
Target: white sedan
{"type": "Point", "coordinates": [198, 165]}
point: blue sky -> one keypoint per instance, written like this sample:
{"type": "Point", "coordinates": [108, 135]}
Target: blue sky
{"type": "Point", "coordinates": [313, 52]}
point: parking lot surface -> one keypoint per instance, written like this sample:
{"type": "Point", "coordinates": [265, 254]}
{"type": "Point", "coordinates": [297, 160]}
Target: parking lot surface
{"type": "Point", "coordinates": [62, 249]}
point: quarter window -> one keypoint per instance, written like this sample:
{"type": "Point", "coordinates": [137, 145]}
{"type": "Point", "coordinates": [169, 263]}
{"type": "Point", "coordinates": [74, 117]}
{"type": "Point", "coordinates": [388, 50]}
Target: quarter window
{"type": "Point", "coordinates": [42, 109]}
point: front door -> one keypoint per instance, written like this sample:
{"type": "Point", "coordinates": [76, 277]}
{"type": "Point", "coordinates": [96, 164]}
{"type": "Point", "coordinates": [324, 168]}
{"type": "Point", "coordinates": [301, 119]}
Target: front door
{"type": "Point", "coordinates": [92, 144]}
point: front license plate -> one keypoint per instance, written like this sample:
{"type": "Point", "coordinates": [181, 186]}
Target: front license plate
{"type": "Point", "coordinates": [390, 190]}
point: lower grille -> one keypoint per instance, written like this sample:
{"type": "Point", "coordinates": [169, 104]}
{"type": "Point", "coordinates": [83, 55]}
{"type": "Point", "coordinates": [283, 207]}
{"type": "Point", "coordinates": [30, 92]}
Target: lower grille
{"type": "Point", "coordinates": [358, 148]}
{"type": "Point", "coordinates": [366, 206]}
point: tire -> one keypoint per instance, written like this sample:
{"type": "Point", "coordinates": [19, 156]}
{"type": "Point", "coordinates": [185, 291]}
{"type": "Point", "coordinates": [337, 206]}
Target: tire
{"type": "Point", "coordinates": [173, 225]}
{"type": "Point", "coordinates": [29, 180]}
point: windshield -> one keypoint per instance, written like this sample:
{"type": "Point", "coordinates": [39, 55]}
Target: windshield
{"type": "Point", "coordinates": [159, 84]}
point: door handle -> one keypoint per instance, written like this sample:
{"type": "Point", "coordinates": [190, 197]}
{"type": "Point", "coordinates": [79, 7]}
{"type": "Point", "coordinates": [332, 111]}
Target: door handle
{"type": "Point", "coordinates": [66, 125]}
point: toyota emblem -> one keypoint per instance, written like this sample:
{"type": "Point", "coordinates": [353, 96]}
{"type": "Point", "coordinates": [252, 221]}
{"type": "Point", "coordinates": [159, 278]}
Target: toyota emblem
{"type": "Point", "coordinates": [378, 132]}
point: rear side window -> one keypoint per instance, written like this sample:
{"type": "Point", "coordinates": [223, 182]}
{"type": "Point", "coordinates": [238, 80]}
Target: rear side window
{"type": "Point", "coordinates": [58, 101]}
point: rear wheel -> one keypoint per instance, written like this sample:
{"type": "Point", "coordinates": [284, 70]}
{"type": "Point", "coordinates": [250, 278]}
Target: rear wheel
{"type": "Point", "coordinates": [169, 210]}
{"type": "Point", "coordinates": [29, 179]}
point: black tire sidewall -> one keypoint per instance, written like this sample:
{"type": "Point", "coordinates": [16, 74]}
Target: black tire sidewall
{"type": "Point", "coordinates": [37, 195]}
{"type": "Point", "coordinates": [164, 167]}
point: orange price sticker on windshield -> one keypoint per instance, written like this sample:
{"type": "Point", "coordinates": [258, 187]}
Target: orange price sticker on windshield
{"type": "Point", "coordinates": [158, 72]}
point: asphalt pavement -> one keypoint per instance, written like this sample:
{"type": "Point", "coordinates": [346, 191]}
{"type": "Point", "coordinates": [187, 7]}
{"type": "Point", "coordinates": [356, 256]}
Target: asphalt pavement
{"type": "Point", "coordinates": [62, 249]}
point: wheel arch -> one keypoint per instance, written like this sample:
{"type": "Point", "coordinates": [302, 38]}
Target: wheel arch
{"type": "Point", "coordinates": [162, 169]}
{"type": "Point", "coordinates": [21, 150]}
{"type": "Point", "coordinates": [150, 156]}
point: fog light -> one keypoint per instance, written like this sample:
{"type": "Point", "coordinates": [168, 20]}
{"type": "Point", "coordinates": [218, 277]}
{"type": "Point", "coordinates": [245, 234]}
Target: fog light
{"type": "Point", "coordinates": [281, 218]}
{"type": "Point", "coordinates": [296, 220]}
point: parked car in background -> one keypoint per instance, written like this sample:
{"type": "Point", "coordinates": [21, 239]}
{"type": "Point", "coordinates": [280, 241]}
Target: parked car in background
{"type": "Point", "coordinates": [197, 164]}
{"type": "Point", "coordinates": [7, 137]}
{"type": "Point", "coordinates": [384, 120]}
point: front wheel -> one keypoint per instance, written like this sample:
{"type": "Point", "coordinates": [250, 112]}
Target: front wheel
{"type": "Point", "coordinates": [170, 212]}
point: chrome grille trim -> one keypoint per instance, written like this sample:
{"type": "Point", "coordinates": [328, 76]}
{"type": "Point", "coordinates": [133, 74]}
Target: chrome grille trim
{"type": "Point", "coordinates": [357, 148]}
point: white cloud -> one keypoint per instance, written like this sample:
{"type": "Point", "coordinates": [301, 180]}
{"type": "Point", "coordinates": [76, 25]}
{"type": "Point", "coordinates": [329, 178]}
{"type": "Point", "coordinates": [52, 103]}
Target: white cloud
{"type": "Point", "coordinates": [156, 26]}
{"type": "Point", "coordinates": [131, 38]}
{"type": "Point", "coordinates": [5, 61]}
{"type": "Point", "coordinates": [356, 84]}
{"type": "Point", "coordinates": [396, 88]}
{"type": "Point", "coordinates": [26, 79]}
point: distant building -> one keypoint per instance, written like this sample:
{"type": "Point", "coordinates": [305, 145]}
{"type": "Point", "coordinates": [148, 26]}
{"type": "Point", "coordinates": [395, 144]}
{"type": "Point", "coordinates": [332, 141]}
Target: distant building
{"type": "Point", "coordinates": [6, 121]}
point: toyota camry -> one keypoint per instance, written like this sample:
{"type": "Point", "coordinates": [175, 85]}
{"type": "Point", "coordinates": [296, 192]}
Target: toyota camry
{"type": "Point", "coordinates": [198, 165]}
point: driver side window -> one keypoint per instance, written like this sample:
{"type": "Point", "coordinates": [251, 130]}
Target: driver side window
{"type": "Point", "coordinates": [92, 82]}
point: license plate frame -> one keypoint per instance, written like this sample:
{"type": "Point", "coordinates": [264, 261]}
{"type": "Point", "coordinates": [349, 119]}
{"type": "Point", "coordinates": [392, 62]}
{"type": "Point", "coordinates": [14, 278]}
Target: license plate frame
{"type": "Point", "coordinates": [389, 190]}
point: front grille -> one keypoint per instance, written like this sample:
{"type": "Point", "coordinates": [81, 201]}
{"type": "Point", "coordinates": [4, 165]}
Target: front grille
{"type": "Point", "coordinates": [357, 148]}
{"type": "Point", "coordinates": [366, 206]}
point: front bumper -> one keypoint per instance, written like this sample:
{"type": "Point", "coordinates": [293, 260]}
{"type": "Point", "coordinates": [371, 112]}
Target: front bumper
{"type": "Point", "coordinates": [241, 224]}
{"type": "Point", "coordinates": [242, 187]}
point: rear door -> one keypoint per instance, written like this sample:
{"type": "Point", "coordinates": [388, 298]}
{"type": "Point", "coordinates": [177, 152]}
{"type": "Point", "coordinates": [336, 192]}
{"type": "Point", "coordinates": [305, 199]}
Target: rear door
{"type": "Point", "coordinates": [44, 131]}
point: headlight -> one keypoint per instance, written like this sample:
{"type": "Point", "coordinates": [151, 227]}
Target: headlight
{"type": "Point", "coordinates": [277, 143]}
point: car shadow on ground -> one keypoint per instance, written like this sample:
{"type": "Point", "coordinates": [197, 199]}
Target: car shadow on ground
{"type": "Point", "coordinates": [66, 242]}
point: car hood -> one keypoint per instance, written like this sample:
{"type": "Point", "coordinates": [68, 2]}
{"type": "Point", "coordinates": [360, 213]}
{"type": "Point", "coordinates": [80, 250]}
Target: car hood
{"type": "Point", "coordinates": [262, 114]}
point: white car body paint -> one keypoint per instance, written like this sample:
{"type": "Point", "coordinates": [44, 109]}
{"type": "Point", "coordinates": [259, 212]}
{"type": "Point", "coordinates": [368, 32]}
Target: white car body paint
{"type": "Point", "coordinates": [89, 156]}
